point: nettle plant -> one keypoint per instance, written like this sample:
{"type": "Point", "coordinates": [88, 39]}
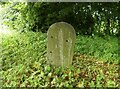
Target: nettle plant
{"type": "Point", "coordinates": [60, 44]}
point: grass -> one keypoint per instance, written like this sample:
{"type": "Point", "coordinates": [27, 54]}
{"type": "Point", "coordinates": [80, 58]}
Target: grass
{"type": "Point", "coordinates": [105, 48]}
{"type": "Point", "coordinates": [23, 55]}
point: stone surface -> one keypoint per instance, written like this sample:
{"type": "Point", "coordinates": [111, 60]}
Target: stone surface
{"type": "Point", "coordinates": [60, 44]}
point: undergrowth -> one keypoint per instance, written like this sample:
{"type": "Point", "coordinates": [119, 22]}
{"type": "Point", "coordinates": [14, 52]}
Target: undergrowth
{"type": "Point", "coordinates": [95, 63]}
{"type": "Point", "coordinates": [102, 48]}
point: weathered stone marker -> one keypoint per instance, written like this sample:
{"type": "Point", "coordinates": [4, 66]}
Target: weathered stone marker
{"type": "Point", "coordinates": [60, 44]}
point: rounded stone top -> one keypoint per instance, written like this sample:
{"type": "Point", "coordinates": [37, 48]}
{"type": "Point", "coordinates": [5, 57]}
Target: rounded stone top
{"type": "Point", "coordinates": [62, 25]}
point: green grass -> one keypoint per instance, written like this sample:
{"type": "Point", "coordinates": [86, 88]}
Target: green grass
{"type": "Point", "coordinates": [105, 48]}
{"type": "Point", "coordinates": [23, 55]}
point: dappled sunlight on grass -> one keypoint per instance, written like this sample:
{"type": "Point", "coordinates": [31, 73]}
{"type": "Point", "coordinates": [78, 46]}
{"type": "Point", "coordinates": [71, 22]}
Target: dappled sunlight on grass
{"type": "Point", "coordinates": [24, 63]}
{"type": "Point", "coordinates": [5, 32]}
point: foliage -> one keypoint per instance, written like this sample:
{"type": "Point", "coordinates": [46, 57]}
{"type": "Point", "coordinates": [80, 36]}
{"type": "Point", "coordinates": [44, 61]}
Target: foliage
{"type": "Point", "coordinates": [105, 48]}
{"type": "Point", "coordinates": [24, 63]}
{"type": "Point", "coordinates": [23, 55]}
{"type": "Point", "coordinates": [86, 18]}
